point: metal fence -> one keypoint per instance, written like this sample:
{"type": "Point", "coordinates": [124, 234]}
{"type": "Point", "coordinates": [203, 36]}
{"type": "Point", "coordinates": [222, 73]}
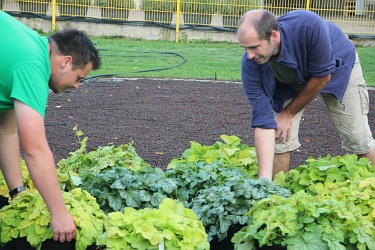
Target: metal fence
{"type": "Point", "coordinates": [356, 17]}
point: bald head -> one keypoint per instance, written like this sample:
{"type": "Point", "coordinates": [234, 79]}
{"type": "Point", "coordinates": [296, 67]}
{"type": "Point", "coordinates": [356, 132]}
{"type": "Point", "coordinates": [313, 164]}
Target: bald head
{"type": "Point", "coordinates": [262, 22]}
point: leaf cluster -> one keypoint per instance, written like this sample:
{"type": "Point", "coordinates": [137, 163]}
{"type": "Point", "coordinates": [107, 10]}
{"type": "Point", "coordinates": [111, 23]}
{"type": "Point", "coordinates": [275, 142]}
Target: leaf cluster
{"type": "Point", "coordinates": [192, 177]}
{"type": "Point", "coordinates": [224, 205]}
{"type": "Point", "coordinates": [170, 224]}
{"type": "Point", "coordinates": [216, 182]}
{"type": "Point", "coordinates": [303, 221]}
{"type": "Point", "coordinates": [75, 2]}
{"type": "Point", "coordinates": [159, 5]}
{"type": "Point", "coordinates": [123, 4]}
{"type": "Point", "coordinates": [120, 187]}
{"type": "Point", "coordinates": [232, 153]}
{"type": "Point", "coordinates": [189, 6]}
{"type": "Point", "coordinates": [89, 164]}
{"type": "Point", "coordinates": [205, 6]}
{"type": "Point", "coordinates": [236, 7]}
{"type": "Point", "coordinates": [28, 216]}
{"type": "Point", "coordinates": [324, 171]}
{"type": "Point", "coordinates": [332, 207]}
{"type": "Point", "coordinates": [360, 192]}
{"type": "Point", "coordinates": [28, 183]}
{"type": "Point", "coordinates": [199, 7]}
{"type": "Point", "coordinates": [65, 180]}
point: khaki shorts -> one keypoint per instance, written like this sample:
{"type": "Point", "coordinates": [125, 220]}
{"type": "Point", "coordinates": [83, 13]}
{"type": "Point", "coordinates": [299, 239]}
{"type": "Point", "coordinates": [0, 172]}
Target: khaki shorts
{"type": "Point", "coordinates": [349, 117]}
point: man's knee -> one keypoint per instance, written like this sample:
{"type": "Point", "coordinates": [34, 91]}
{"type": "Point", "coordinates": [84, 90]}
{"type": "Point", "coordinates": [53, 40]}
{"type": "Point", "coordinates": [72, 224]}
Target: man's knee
{"type": "Point", "coordinates": [370, 155]}
{"type": "Point", "coordinates": [281, 162]}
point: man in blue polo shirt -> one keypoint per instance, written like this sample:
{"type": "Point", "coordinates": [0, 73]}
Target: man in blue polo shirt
{"type": "Point", "coordinates": [287, 62]}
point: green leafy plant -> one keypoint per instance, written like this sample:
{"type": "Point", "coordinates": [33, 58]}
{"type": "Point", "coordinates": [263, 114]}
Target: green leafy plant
{"type": "Point", "coordinates": [3, 186]}
{"type": "Point", "coordinates": [65, 180]}
{"type": "Point", "coordinates": [120, 187]}
{"type": "Point", "coordinates": [102, 159]}
{"type": "Point", "coordinates": [222, 206]}
{"type": "Point", "coordinates": [122, 4]}
{"type": "Point", "coordinates": [232, 153]}
{"type": "Point", "coordinates": [193, 177]}
{"type": "Point", "coordinates": [204, 173]}
{"type": "Point", "coordinates": [89, 164]}
{"type": "Point", "coordinates": [159, 5]}
{"type": "Point", "coordinates": [331, 208]}
{"type": "Point", "coordinates": [26, 178]}
{"type": "Point", "coordinates": [189, 6]}
{"type": "Point", "coordinates": [171, 224]}
{"type": "Point", "coordinates": [303, 221]}
{"type": "Point", "coordinates": [359, 191]}
{"type": "Point", "coordinates": [198, 6]}
{"type": "Point", "coordinates": [34, 6]}
{"type": "Point", "coordinates": [205, 6]}
{"type": "Point", "coordinates": [28, 216]}
{"type": "Point", "coordinates": [237, 7]}
{"type": "Point", "coordinates": [34, 1]}
{"type": "Point", "coordinates": [73, 7]}
{"type": "Point", "coordinates": [324, 171]}
{"type": "Point", "coordinates": [75, 2]}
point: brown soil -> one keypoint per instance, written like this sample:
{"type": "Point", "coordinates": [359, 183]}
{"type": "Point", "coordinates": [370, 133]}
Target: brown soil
{"type": "Point", "coordinates": [162, 117]}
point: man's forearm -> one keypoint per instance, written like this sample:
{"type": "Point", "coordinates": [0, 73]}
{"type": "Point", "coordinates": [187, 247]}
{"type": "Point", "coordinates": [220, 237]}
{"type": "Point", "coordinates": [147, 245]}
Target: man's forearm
{"type": "Point", "coordinates": [307, 94]}
{"type": "Point", "coordinates": [10, 162]}
{"type": "Point", "coordinates": [43, 173]}
{"type": "Point", "coordinates": [264, 140]}
{"type": "Point", "coordinates": [10, 150]}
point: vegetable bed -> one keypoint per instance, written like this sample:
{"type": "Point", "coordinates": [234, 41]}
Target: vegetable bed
{"type": "Point", "coordinates": [148, 140]}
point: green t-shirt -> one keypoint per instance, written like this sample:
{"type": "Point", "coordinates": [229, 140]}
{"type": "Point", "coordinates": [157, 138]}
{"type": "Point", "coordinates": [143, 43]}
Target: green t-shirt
{"type": "Point", "coordinates": [24, 65]}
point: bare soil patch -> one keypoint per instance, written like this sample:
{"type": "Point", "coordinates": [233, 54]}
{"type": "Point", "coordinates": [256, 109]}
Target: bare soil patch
{"type": "Point", "coordinates": [162, 117]}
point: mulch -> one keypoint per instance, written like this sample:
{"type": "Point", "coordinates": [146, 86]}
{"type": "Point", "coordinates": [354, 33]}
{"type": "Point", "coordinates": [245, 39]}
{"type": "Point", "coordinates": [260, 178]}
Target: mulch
{"type": "Point", "coordinates": [162, 116]}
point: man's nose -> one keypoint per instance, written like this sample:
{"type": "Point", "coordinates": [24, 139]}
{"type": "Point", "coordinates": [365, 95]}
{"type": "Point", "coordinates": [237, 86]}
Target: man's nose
{"type": "Point", "coordinates": [76, 84]}
{"type": "Point", "coordinates": [250, 54]}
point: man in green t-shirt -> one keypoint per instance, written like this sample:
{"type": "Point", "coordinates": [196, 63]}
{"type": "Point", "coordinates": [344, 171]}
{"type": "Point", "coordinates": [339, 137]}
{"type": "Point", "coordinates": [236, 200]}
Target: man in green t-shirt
{"type": "Point", "coordinates": [30, 65]}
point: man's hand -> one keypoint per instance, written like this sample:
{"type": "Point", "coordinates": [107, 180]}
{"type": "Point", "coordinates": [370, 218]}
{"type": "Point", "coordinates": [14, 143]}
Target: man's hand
{"type": "Point", "coordinates": [284, 127]}
{"type": "Point", "coordinates": [63, 227]}
{"type": "Point", "coordinates": [285, 119]}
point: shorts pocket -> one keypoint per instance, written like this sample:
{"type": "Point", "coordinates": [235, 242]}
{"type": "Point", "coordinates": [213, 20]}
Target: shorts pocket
{"type": "Point", "coordinates": [364, 97]}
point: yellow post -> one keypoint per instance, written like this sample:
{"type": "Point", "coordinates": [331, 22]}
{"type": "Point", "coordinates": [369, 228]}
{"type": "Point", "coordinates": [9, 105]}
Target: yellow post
{"type": "Point", "coordinates": [53, 15]}
{"type": "Point", "coordinates": [308, 5]}
{"type": "Point", "coordinates": [177, 20]}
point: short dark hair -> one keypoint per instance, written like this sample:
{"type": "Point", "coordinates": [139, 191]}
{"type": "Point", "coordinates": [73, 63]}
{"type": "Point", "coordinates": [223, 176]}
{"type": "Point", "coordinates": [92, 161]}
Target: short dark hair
{"type": "Point", "coordinates": [265, 25]}
{"type": "Point", "coordinates": [76, 43]}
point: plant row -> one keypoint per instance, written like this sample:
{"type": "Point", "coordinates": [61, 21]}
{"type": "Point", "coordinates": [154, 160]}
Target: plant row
{"type": "Point", "coordinates": [119, 201]}
{"type": "Point", "coordinates": [331, 207]}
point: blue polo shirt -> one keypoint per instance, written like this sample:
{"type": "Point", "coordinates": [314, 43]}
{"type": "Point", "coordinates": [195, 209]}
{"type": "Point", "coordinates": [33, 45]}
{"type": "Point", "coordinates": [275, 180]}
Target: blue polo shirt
{"type": "Point", "coordinates": [314, 48]}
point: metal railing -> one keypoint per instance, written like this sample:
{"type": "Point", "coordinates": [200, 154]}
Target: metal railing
{"type": "Point", "coordinates": [356, 17]}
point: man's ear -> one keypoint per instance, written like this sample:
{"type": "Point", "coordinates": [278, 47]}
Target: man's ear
{"type": "Point", "coordinates": [66, 61]}
{"type": "Point", "coordinates": [274, 35]}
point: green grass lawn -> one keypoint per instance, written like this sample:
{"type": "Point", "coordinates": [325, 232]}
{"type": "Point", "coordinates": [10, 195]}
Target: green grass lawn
{"type": "Point", "coordinates": [129, 58]}
{"type": "Point", "coordinates": [366, 55]}
{"type": "Point", "coordinates": [194, 60]}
